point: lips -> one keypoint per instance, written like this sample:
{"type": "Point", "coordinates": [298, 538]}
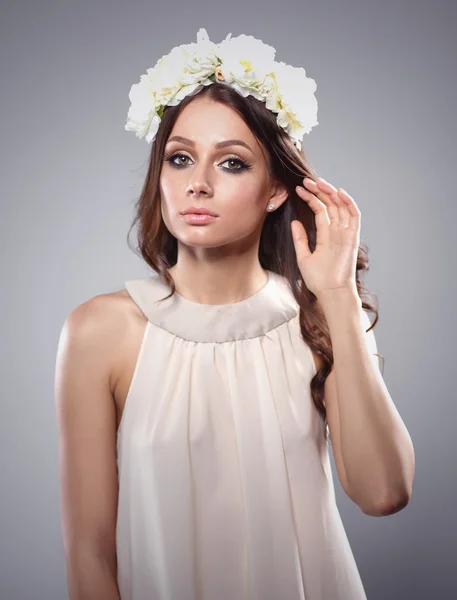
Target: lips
{"type": "Point", "coordinates": [199, 211]}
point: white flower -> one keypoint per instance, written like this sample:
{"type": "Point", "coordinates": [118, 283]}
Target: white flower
{"type": "Point", "coordinates": [243, 62]}
{"type": "Point", "coordinates": [202, 57]}
{"type": "Point", "coordinates": [142, 111]}
{"type": "Point", "coordinates": [268, 88]}
{"type": "Point", "coordinates": [296, 94]}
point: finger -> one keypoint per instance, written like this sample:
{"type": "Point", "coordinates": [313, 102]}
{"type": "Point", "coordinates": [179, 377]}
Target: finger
{"type": "Point", "coordinates": [343, 212]}
{"type": "Point", "coordinates": [300, 239]}
{"type": "Point", "coordinates": [320, 214]}
{"type": "Point", "coordinates": [318, 207]}
{"type": "Point", "coordinates": [323, 195]}
{"type": "Point", "coordinates": [352, 208]}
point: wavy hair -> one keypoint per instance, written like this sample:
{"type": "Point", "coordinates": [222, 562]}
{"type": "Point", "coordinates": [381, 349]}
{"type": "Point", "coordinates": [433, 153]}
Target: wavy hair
{"type": "Point", "coordinates": [159, 248]}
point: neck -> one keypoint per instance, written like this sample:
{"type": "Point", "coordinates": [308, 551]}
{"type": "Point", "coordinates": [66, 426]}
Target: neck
{"type": "Point", "coordinates": [213, 283]}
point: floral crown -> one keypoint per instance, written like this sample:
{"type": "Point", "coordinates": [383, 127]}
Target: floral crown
{"type": "Point", "coordinates": [245, 63]}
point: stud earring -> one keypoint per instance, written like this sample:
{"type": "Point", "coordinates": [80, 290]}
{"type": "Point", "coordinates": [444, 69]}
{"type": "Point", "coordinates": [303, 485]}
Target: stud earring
{"type": "Point", "coordinates": [271, 207]}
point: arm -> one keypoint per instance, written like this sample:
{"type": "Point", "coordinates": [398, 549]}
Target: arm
{"type": "Point", "coordinates": [86, 417]}
{"type": "Point", "coordinates": [369, 439]}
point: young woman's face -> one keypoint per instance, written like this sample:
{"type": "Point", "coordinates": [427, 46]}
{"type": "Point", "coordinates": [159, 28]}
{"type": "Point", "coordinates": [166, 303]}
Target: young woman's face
{"type": "Point", "coordinates": [231, 181]}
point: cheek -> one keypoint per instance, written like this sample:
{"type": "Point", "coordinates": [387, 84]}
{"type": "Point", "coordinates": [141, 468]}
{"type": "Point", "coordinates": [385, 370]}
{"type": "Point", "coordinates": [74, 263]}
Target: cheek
{"type": "Point", "coordinates": [171, 198]}
{"type": "Point", "coordinates": [167, 190]}
{"type": "Point", "coordinates": [243, 193]}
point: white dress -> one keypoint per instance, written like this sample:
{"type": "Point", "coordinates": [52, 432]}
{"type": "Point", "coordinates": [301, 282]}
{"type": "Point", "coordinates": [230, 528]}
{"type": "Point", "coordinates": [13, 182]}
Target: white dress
{"type": "Point", "coordinates": [225, 482]}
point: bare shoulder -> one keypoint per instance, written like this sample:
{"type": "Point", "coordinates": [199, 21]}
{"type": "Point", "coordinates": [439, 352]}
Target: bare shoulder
{"type": "Point", "coordinates": [105, 314]}
{"type": "Point", "coordinates": [106, 322]}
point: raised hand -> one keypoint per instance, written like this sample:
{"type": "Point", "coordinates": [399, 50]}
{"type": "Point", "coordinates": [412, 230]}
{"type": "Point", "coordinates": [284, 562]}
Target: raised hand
{"type": "Point", "coordinates": [332, 265]}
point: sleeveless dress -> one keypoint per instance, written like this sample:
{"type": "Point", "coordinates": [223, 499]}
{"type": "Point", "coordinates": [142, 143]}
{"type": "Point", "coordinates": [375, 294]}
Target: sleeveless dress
{"type": "Point", "coordinates": [225, 482]}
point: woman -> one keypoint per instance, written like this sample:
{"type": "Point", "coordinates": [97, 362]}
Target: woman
{"type": "Point", "coordinates": [194, 457]}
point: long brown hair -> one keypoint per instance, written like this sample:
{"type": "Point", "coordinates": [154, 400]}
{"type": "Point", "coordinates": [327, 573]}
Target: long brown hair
{"type": "Point", "coordinates": [159, 248]}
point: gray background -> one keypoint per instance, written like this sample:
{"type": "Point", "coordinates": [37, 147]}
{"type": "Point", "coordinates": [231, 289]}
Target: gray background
{"type": "Point", "coordinates": [386, 89]}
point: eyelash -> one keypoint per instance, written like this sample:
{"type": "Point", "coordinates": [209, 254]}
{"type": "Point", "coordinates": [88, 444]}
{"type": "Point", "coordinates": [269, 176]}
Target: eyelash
{"type": "Point", "coordinates": [244, 166]}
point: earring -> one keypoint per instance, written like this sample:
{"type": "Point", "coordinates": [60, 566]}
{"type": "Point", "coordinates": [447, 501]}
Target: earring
{"type": "Point", "coordinates": [271, 207]}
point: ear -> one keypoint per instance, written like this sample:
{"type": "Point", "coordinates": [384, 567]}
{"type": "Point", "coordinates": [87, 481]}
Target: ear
{"type": "Point", "coordinates": [279, 194]}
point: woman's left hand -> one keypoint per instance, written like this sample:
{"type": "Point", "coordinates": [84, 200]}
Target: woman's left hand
{"type": "Point", "coordinates": [332, 265]}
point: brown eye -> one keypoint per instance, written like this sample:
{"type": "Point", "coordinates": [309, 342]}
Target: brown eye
{"type": "Point", "coordinates": [171, 160]}
{"type": "Point", "coordinates": [242, 166]}
{"type": "Point", "coordinates": [236, 161]}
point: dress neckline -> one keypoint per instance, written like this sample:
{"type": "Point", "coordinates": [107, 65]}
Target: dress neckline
{"type": "Point", "coordinates": [272, 305]}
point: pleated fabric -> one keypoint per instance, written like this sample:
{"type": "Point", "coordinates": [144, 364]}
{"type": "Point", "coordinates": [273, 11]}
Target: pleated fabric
{"type": "Point", "coordinates": [225, 482]}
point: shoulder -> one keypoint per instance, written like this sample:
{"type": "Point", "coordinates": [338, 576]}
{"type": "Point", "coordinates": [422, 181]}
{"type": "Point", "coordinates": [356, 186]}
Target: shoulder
{"type": "Point", "coordinates": [100, 327]}
{"type": "Point", "coordinates": [106, 309]}
{"type": "Point", "coordinates": [103, 312]}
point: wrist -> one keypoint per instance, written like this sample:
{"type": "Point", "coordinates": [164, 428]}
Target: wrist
{"type": "Point", "coordinates": [338, 296]}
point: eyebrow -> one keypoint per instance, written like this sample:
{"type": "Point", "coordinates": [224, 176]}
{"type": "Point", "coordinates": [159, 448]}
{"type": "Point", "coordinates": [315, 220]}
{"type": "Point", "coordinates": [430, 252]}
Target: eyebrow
{"type": "Point", "coordinates": [184, 140]}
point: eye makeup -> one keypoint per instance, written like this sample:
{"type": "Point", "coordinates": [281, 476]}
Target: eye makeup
{"type": "Point", "coordinates": [242, 165]}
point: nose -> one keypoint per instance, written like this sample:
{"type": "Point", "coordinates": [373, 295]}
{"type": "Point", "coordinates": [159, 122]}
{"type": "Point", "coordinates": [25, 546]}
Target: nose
{"type": "Point", "coordinates": [199, 184]}
{"type": "Point", "coordinates": [197, 188]}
